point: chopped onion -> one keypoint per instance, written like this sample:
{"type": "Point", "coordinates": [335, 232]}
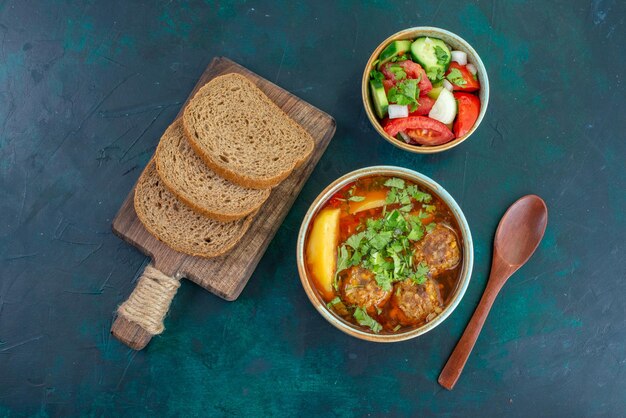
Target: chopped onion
{"type": "Point", "coordinates": [459, 56]}
{"type": "Point", "coordinates": [397, 111]}
{"type": "Point", "coordinates": [444, 109]}
{"type": "Point", "coordinates": [447, 85]}
{"type": "Point", "coordinates": [471, 68]}
{"type": "Point", "coordinates": [406, 138]}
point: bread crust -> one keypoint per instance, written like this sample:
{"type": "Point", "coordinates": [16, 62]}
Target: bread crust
{"type": "Point", "coordinates": [214, 212]}
{"type": "Point", "coordinates": [176, 245]}
{"type": "Point", "coordinates": [235, 176]}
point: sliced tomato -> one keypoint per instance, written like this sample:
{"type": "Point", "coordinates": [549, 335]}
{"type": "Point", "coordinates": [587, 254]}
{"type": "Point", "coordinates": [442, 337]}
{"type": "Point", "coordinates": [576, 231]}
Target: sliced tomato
{"type": "Point", "coordinates": [413, 70]}
{"type": "Point", "coordinates": [425, 104]}
{"type": "Point", "coordinates": [469, 108]}
{"type": "Point", "coordinates": [387, 84]}
{"type": "Point", "coordinates": [471, 82]}
{"type": "Point", "coordinates": [421, 130]}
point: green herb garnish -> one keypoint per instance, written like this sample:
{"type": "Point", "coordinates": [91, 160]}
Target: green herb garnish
{"type": "Point", "coordinates": [405, 93]}
{"type": "Point", "coordinates": [399, 58]}
{"type": "Point", "coordinates": [417, 231]}
{"type": "Point", "coordinates": [377, 75]}
{"type": "Point", "coordinates": [442, 56]}
{"type": "Point", "coordinates": [356, 198]}
{"type": "Point", "coordinates": [384, 245]}
{"type": "Point", "coordinates": [435, 74]}
{"type": "Point", "coordinates": [418, 195]}
{"type": "Point", "coordinates": [421, 273]}
{"type": "Point", "coordinates": [455, 77]}
{"type": "Point", "coordinates": [395, 183]}
{"type": "Point", "coordinates": [355, 240]}
{"type": "Point", "coordinates": [367, 321]}
{"type": "Point", "coordinates": [344, 261]}
{"type": "Point", "coordinates": [397, 71]}
{"type": "Point", "coordinates": [333, 302]}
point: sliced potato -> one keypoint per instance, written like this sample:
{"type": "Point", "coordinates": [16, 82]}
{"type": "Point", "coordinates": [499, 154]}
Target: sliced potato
{"type": "Point", "coordinates": [321, 250]}
{"type": "Point", "coordinates": [375, 199]}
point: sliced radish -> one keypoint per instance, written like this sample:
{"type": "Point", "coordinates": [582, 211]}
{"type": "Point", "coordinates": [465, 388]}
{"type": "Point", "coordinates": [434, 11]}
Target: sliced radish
{"type": "Point", "coordinates": [459, 56]}
{"type": "Point", "coordinates": [444, 109]}
{"type": "Point", "coordinates": [397, 111]}
{"type": "Point", "coordinates": [471, 68]}
{"type": "Point", "coordinates": [447, 85]}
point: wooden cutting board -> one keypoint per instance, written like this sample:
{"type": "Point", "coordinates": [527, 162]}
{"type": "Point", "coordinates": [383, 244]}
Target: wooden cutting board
{"type": "Point", "coordinates": [227, 275]}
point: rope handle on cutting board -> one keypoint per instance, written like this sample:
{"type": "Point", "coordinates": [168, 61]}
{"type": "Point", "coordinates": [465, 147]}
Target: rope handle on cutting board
{"type": "Point", "coordinates": [141, 316]}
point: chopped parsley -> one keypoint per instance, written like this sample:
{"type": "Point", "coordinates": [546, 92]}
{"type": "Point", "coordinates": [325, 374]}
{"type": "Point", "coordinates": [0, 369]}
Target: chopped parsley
{"type": "Point", "coordinates": [399, 58]}
{"type": "Point", "coordinates": [377, 75]}
{"type": "Point", "coordinates": [333, 302]}
{"type": "Point", "coordinates": [384, 244]}
{"type": "Point", "coordinates": [397, 71]}
{"type": "Point", "coordinates": [442, 56]}
{"type": "Point", "coordinates": [455, 77]}
{"type": "Point", "coordinates": [435, 74]}
{"type": "Point", "coordinates": [405, 93]}
{"type": "Point", "coordinates": [395, 183]}
{"type": "Point", "coordinates": [421, 273]}
{"type": "Point", "coordinates": [418, 195]}
{"type": "Point", "coordinates": [343, 262]}
{"type": "Point", "coordinates": [364, 319]}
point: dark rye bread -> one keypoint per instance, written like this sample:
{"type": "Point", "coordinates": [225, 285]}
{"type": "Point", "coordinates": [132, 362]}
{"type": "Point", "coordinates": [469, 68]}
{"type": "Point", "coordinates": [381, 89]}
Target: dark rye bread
{"type": "Point", "coordinates": [193, 182]}
{"type": "Point", "coordinates": [242, 135]}
{"type": "Point", "coordinates": [184, 230]}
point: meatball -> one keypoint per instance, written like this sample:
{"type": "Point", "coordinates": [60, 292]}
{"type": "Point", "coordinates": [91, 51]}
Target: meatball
{"type": "Point", "coordinates": [360, 288]}
{"type": "Point", "coordinates": [415, 303]}
{"type": "Point", "coordinates": [439, 249]}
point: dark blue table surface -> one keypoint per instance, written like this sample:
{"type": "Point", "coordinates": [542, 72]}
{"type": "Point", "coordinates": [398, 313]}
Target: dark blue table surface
{"type": "Point", "coordinates": [86, 89]}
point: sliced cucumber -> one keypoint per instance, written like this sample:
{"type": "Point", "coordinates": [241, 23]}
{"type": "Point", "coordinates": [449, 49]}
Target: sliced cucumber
{"type": "Point", "coordinates": [393, 49]}
{"type": "Point", "coordinates": [444, 109]}
{"type": "Point", "coordinates": [379, 98]}
{"type": "Point", "coordinates": [433, 54]}
{"type": "Point", "coordinates": [434, 93]}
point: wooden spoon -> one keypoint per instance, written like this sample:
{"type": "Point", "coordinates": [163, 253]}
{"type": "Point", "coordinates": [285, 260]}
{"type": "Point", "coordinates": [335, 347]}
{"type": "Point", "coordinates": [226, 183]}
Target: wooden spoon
{"type": "Point", "coordinates": [519, 233]}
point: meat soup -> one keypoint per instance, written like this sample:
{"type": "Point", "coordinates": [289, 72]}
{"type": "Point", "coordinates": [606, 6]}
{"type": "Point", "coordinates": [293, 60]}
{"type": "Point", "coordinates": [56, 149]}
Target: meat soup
{"type": "Point", "coordinates": [384, 254]}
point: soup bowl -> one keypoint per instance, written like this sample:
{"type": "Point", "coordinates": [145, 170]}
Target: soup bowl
{"type": "Point", "coordinates": [456, 43]}
{"type": "Point", "coordinates": [465, 244]}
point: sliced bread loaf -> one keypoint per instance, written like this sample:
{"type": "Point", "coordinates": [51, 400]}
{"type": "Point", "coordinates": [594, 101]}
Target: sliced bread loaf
{"type": "Point", "coordinates": [184, 230]}
{"type": "Point", "coordinates": [242, 135]}
{"type": "Point", "coordinates": [193, 182]}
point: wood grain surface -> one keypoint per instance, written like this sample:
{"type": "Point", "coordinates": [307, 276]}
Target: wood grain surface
{"type": "Point", "coordinates": [227, 275]}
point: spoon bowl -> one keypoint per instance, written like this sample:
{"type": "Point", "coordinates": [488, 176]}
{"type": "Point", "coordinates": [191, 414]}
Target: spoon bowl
{"type": "Point", "coordinates": [521, 229]}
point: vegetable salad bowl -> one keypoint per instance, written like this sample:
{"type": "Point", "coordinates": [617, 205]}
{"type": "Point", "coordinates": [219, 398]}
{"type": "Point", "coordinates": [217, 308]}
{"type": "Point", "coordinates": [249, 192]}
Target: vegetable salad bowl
{"type": "Point", "coordinates": [398, 43]}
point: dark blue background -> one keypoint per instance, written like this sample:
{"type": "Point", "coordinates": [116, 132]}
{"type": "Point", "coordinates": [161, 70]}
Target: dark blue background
{"type": "Point", "coordinates": [86, 91]}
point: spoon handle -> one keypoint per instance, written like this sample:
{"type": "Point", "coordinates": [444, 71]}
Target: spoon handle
{"type": "Point", "coordinates": [453, 368]}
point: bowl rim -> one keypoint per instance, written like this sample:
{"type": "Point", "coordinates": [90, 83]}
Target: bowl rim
{"type": "Point", "coordinates": [412, 33]}
{"type": "Point", "coordinates": [421, 179]}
